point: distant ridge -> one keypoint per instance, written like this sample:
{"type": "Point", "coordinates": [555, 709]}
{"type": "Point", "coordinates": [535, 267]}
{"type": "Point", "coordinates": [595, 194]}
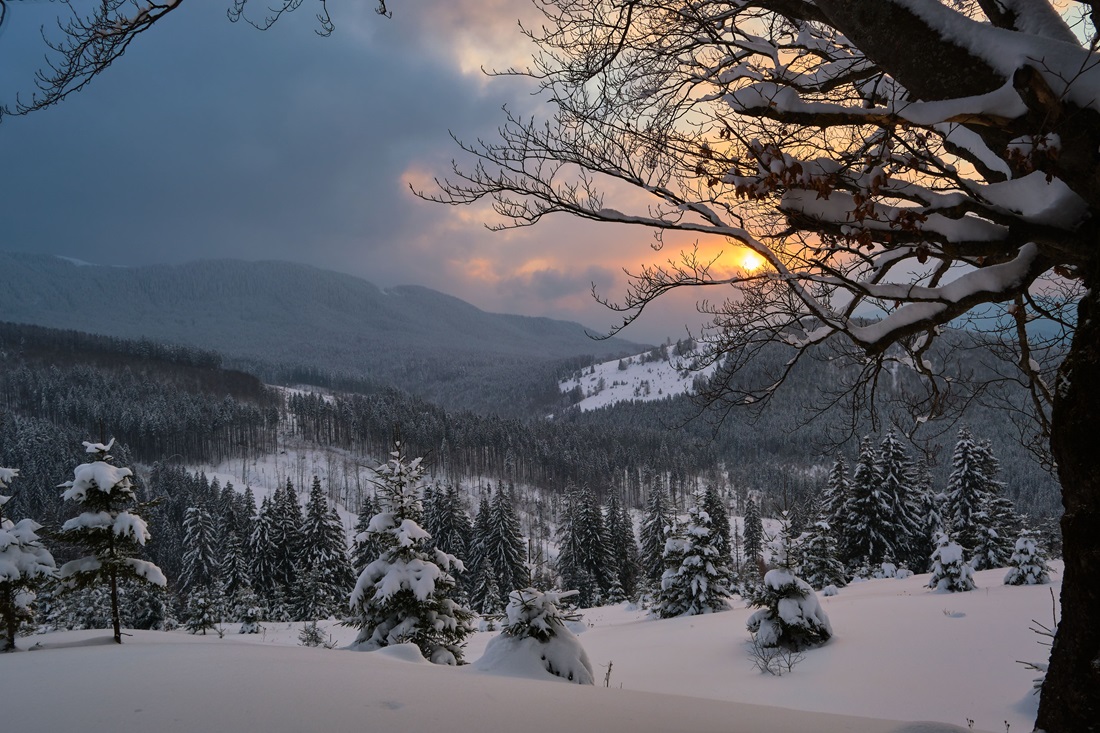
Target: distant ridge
{"type": "Point", "coordinates": [291, 315]}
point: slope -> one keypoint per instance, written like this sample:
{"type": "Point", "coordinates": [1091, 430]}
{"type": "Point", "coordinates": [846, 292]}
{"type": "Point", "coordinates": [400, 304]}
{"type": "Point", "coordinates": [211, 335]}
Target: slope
{"type": "Point", "coordinates": [284, 318]}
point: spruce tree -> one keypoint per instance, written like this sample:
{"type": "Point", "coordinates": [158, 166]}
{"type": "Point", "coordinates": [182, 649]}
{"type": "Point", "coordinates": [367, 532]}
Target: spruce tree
{"type": "Point", "coordinates": [504, 548]}
{"type": "Point", "coordinates": [658, 517]}
{"type": "Point", "coordinates": [476, 568]}
{"type": "Point", "coordinates": [201, 566]}
{"type": "Point", "coordinates": [964, 507]}
{"type": "Point", "coordinates": [623, 546]}
{"type": "Point", "coordinates": [820, 566]}
{"type": "Point", "coordinates": [323, 568]}
{"type": "Point", "coordinates": [112, 534]}
{"type": "Point", "coordinates": [754, 533]}
{"type": "Point", "coordinates": [900, 489]}
{"type": "Point", "coordinates": [406, 594]}
{"type": "Point", "coordinates": [719, 513]}
{"type": "Point", "coordinates": [583, 555]}
{"type": "Point", "coordinates": [838, 489]}
{"type": "Point", "coordinates": [262, 550]}
{"type": "Point", "coordinates": [1028, 565]}
{"type": "Point", "coordinates": [696, 578]}
{"type": "Point", "coordinates": [869, 532]}
{"type": "Point", "coordinates": [367, 548]}
{"type": "Point", "coordinates": [950, 570]}
{"type": "Point", "coordinates": [24, 565]}
{"type": "Point", "coordinates": [286, 537]}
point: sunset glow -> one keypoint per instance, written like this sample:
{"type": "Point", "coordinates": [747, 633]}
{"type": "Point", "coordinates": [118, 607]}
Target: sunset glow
{"type": "Point", "coordinates": [750, 261]}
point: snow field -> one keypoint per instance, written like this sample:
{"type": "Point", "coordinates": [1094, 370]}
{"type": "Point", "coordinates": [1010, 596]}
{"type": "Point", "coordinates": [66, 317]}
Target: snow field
{"type": "Point", "coordinates": [901, 653]}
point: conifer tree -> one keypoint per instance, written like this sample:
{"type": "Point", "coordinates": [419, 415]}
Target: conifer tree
{"type": "Point", "coordinates": [868, 530]}
{"type": "Point", "coordinates": [504, 548]}
{"type": "Point", "coordinates": [323, 569]}
{"type": "Point", "coordinates": [696, 578]}
{"type": "Point", "coordinates": [658, 518]}
{"type": "Point", "coordinates": [485, 595]}
{"type": "Point", "coordinates": [406, 594]}
{"type": "Point", "coordinates": [623, 547]}
{"type": "Point", "coordinates": [790, 615]}
{"type": "Point", "coordinates": [367, 547]}
{"type": "Point", "coordinates": [964, 507]}
{"type": "Point", "coordinates": [838, 489]}
{"type": "Point", "coordinates": [820, 565]}
{"type": "Point", "coordinates": [24, 565]}
{"type": "Point", "coordinates": [1028, 564]}
{"type": "Point", "coordinates": [719, 514]}
{"type": "Point", "coordinates": [754, 533]}
{"type": "Point", "coordinates": [583, 555]}
{"type": "Point", "coordinates": [112, 534]}
{"type": "Point", "coordinates": [899, 487]}
{"type": "Point", "coordinates": [262, 550]}
{"type": "Point", "coordinates": [201, 567]}
{"type": "Point", "coordinates": [476, 567]}
{"type": "Point", "coordinates": [286, 536]}
{"type": "Point", "coordinates": [950, 570]}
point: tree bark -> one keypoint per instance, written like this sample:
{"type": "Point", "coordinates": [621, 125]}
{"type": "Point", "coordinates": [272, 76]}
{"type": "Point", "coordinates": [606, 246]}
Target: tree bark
{"type": "Point", "coordinates": [1070, 701]}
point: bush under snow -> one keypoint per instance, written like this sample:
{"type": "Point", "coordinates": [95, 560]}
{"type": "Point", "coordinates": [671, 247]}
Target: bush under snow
{"type": "Point", "coordinates": [791, 616]}
{"type": "Point", "coordinates": [536, 642]}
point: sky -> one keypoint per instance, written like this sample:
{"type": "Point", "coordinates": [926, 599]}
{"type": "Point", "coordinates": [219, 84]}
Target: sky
{"type": "Point", "coordinates": [210, 139]}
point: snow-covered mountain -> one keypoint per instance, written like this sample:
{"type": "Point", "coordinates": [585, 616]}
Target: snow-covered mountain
{"type": "Point", "coordinates": [283, 318]}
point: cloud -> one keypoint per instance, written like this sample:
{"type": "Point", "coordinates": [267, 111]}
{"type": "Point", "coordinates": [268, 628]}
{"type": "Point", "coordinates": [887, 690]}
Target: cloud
{"type": "Point", "coordinates": [210, 139]}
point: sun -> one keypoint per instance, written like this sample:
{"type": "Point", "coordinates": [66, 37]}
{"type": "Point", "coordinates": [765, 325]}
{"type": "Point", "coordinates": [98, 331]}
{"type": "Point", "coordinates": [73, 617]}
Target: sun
{"type": "Point", "coordinates": [749, 261]}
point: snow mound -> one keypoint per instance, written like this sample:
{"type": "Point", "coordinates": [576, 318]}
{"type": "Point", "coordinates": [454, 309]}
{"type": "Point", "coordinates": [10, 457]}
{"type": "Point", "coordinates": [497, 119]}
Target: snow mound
{"type": "Point", "coordinates": [561, 658]}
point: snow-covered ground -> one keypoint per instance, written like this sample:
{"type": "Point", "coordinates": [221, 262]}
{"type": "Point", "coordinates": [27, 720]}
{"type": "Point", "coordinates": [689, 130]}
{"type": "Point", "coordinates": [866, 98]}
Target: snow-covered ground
{"type": "Point", "coordinates": [633, 378]}
{"type": "Point", "coordinates": [901, 653]}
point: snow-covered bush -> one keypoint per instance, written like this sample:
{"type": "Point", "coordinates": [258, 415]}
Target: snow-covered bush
{"type": "Point", "coordinates": [112, 534]}
{"type": "Point", "coordinates": [950, 571]}
{"type": "Point", "coordinates": [791, 615]}
{"type": "Point", "coordinates": [312, 635]}
{"type": "Point", "coordinates": [24, 563]}
{"type": "Point", "coordinates": [407, 594]}
{"type": "Point", "coordinates": [1028, 564]}
{"type": "Point", "coordinates": [536, 640]}
{"type": "Point", "coordinates": [829, 590]}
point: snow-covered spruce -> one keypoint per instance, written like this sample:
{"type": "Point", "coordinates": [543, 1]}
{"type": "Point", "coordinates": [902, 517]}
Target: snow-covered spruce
{"type": "Point", "coordinates": [791, 615]}
{"type": "Point", "coordinates": [535, 640]}
{"type": "Point", "coordinates": [407, 594]}
{"type": "Point", "coordinates": [696, 578]}
{"type": "Point", "coordinates": [112, 534]}
{"type": "Point", "coordinates": [950, 571]}
{"type": "Point", "coordinates": [24, 563]}
{"type": "Point", "coordinates": [1028, 564]}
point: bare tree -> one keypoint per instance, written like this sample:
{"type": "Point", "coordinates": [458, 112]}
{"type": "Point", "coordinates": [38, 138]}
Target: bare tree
{"type": "Point", "coordinates": [87, 36]}
{"type": "Point", "coordinates": [896, 166]}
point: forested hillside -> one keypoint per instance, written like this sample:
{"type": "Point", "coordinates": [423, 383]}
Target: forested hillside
{"type": "Point", "coordinates": [283, 321]}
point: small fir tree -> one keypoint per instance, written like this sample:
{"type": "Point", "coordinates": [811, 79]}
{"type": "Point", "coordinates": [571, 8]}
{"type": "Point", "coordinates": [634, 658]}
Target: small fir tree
{"type": "Point", "coordinates": [950, 570]}
{"type": "Point", "coordinates": [790, 615]}
{"type": "Point", "coordinates": [406, 594]}
{"type": "Point", "coordinates": [697, 576]}
{"type": "Point", "coordinates": [24, 565]}
{"type": "Point", "coordinates": [535, 628]}
{"type": "Point", "coordinates": [203, 610]}
{"type": "Point", "coordinates": [1028, 564]}
{"type": "Point", "coordinates": [112, 534]}
{"type": "Point", "coordinates": [820, 566]}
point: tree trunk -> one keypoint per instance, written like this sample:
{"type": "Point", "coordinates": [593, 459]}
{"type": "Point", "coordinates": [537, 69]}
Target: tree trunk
{"type": "Point", "coordinates": [1070, 701]}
